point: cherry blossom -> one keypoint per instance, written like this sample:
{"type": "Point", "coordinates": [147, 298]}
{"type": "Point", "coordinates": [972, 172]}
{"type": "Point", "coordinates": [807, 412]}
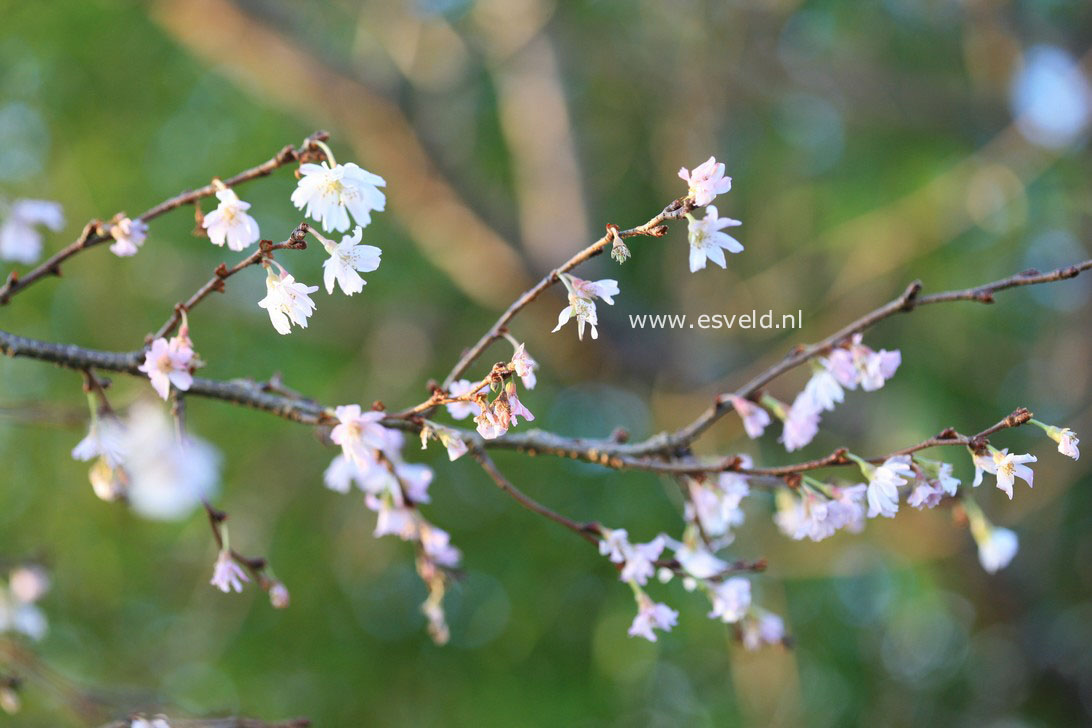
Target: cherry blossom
{"type": "Point", "coordinates": [226, 574]}
{"type": "Point", "coordinates": [229, 222]}
{"type": "Point", "coordinates": [707, 242]}
{"type": "Point", "coordinates": [515, 407]}
{"type": "Point", "coordinates": [715, 505]}
{"type": "Point", "coordinates": [883, 484]}
{"type": "Point", "coordinates": [755, 417]}
{"type": "Point", "coordinates": [640, 560]}
{"type": "Point", "coordinates": [706, 181]}
{"type": "Point", "coordinates": [731, 599]}
{"type": "Point", "coordinates": [170, 363]}
{"type": "Point", "coordinates": [996, 546]}
{"type": "Point", "coordinates": [462, 410]}
{"type": "Point", "coordinates": [1066, 438]}
{"type": "Point", "coordinates": [19, 240]}
{"type": "Point", "coordinates": [168, 476]}
{"type": "Point", "coordinates": [582, 295]}
{"type": "Point", "coordinates": [823, 389]}
{"type": "Point", "coordinates": [104, 439]}
{"type": "Point", "coordinates": [1009, 467]}
{"type": "Point", "coordinates": [359, 433]}
{"type": "Point", "coordinates": [858, 365]}
{"type": "Point", "coordinates": [287, 301]}
{"type": "Point", "coordinates": [524, 366]}
{"type": "Point", "coordinates": [801, 423]}
{"type": "Point", "coordinates": [18, 609]}
{"type": "Point", "coordinates": [331, 194]}
{"type": "Point", "coordinates": [760, 628]}
{"type": "Point", "coordinates": [652, 615]}
{"type": "Point", "coordinates": [614, 544]}
{"type": "Point", "coordinates": [925, 495]}
{"type": "Point", "coordinates": [128, 236]}
{"type": "Point", "coordinates": [346, 258]}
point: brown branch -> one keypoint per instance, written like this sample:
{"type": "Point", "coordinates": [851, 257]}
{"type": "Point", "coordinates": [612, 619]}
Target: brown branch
{"type": "Point", "coordinates": [906, 302]}
{"type": "Point", "coordinates": [94, 233]}
{"type": "Point", "coordinates": [587, 531]}
{"type": "Point", "coordinates": [216, 283]}
{"type": "Point", "coordinates": [654, 228]}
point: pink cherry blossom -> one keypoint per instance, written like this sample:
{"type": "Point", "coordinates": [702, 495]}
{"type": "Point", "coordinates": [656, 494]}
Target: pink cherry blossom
{"type": "Point", "coordinates": [706, 181]}
{"type": "Point", "coordinates": [359, 433]}
{"type": "Point", "coordinates": [652, 615]}
{"type": "Point", "coordinates": [169, 363]}
{"type": "Point", "coordinates": [228, 575]}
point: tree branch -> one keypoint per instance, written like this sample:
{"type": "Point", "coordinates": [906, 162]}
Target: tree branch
{"type": "Point", "coordinates": [93, 233]}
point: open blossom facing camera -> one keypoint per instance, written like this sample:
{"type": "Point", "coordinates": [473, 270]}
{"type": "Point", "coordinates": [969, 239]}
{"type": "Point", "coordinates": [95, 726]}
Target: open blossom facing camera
{"type": "Point", "coordinates": [706, 181]}
{"type": "Point", "coordinates": [128, 236]}
{"type": "Point", "coordinates": [228, 576]}
{"type": "Point", "coordinates": [582, 295]}
{"type": "Point", "coordinates": [359, 433]}
{"type": "Point", "coordinates": [346, 258]}
{"type": "Point", "coordinates": [883, 484]}
{"type": "Point", "coordinates": [331, 194]}
{"type": "Point", "coordinates": [287, 301]}
{"type": "Point", "coordinates": [1010, 466]}
{"type": "Point", "coordinates": [229, 222]}
{"type": "Point", "coordinates": [19, 240]}
{"type": "Point", "coordinates": [170, 363]}
{"type": "Point", "coordinates": [707, 242]}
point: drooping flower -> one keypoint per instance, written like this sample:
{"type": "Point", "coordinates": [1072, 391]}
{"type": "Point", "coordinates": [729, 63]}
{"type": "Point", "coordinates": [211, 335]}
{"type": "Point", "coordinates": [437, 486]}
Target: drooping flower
{"type": "Point", "coordinates": [817, 517]}
{"type": "Point", "coordinates": [706, 181]}
{"type": "Point", "coordinates": [18, 610]}
{"type": "Point", "coordinates": [226, 574]}
{"type": "Point", "coordinates": [492, 422]}
{"type": "Point", "coordinates": [582, 295]}
{"type": "Point", "coordinates": [823, 389]}
{"type": "Point", "coordinates": [696, 560]}
{"type": "Point", "coordinates": [279, 596]}
{"type": "Point", "coordinates": [462, 410]}
{"type": "Point", "coordinates": [169, 363]}
{"type": "Point", "coordinates": [707, 242]}
{"type": "Point", "coordinates": [229, 222]}
{"type": "Point", "coordinates": [755, 417]}
{"type": "Point", "coordinates": [760, 628]}
{"type": "Point", "coordinates": [715, 505]}
{"type": "Point", "coordinates": [1009, 467]}
{"type": "Point", "coordinates": [287, 301]}
{"type": "Point", "coordinates": [346, 258]}
{"type": "Point", "coordinates": [731, 599]}
{"type": "Point", "coordinates": [996, 547]}
{"type": "Point", "coordinates": [359, 433]}
{"type": "Point", "coordinates": [168, 476]}
{"type": "Point", "coordinates": [128, 236]}
{"type": "Point", "coordinates": [436, 543]}
{"type": "Point", "coordinates": [925, 495]}
{"type": "Point", "coordinates": [19, 240]}
{"type": "Point", "coordinates": [331, 194]}
{"type": "Point", "coordinates": [1066, 438]}
{"type": "Point", "coordinates": [516, 409]}
{"type": "Point", "coordinates": [883, 484]}
{"type": "Point", "coordinates": [801, 423]}
{"type": "Point", "coordinates": [652, 615]}
{"type": "Point", "coordinates": [524, 366]}
{"type": "Point", "coordinates": [104, 439]}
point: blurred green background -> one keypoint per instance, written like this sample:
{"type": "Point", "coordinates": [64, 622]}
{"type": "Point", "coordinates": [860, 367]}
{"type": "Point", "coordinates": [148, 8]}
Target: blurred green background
{"type": "Point", "coordinates": [870, 144]}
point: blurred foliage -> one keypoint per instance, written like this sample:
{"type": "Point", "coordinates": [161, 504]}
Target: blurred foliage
{"type": "Point", "coordinates": [871, 144]}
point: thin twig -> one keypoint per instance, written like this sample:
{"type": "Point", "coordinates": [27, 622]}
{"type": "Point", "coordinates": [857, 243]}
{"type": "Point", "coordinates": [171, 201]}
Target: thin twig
{"type": "Point", "coordinates": [216, 283]}
{"type": "Point", "coordinates": [96, 233]}
{"type": "Point", "coordinates": [654, 228]}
